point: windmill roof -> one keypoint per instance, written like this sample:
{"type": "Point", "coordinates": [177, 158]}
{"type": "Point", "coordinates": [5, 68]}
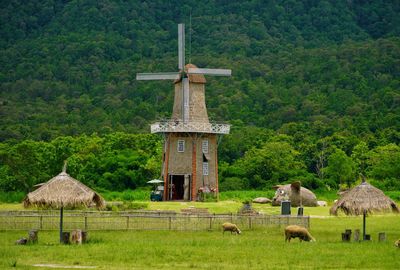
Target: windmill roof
{"type": "Point", "coordinates": [193, 78]}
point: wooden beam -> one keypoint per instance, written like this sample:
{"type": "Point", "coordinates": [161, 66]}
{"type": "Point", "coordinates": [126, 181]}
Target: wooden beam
{"type": "Point", "coordinates": [194, 168]}
{"type": "Point", "coordinates": [216, 167]}
{"type": "Point", "coordinates": [167, 141]}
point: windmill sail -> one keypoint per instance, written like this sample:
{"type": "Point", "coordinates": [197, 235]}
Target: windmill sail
{"type": "Point", "coordinates": [157, 76]}
{"type": "Point", "coordinates": [181, 46]}
{"type": "Point", "coordinates": [183, 76]}
{"type": "Point", "coordinates": [210, 71]}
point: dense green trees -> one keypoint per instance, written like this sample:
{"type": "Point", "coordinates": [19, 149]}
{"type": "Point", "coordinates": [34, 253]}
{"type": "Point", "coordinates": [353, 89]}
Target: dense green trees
{"type": "Point", "coordinates": [120, 161]}
{"type": "Point", "coordinates": [117, 161]}
{"type": "Point", "coordinates": [315, 86]}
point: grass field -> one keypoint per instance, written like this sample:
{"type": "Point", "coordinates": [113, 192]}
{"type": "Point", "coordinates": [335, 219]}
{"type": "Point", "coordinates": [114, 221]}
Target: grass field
{"type": "Point", "coordinates": [256, 249]}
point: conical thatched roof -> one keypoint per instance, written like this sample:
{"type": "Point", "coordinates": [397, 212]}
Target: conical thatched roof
{"type": "Point", "coordinates": [63, 191]}
{"type": "Point", "coordinates": [364, 197]}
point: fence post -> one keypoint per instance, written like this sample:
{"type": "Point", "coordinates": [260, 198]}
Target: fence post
{"type": "Point", "coordinates": [41, 222]}
{"type": "Point", "coordinates": [382, 237]}
{"type": "Point", "coordinates": [127, 222]}
{"type": "Point", "coordinates": [210, 223]}
{"type": "Point", "coordinates": [250, 223]}
{"type": "Point", "coordinates": [169, 223]}
{"type": "Point", "coordinates": [86, 224]}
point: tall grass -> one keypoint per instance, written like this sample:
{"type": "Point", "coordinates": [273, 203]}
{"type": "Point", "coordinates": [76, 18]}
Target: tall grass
{"type": "Point", "coordinates": [11, 196]}
{"type": "Point", "coordinates": [127, 195]}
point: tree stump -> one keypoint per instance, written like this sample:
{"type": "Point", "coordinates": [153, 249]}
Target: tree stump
{"type": "Point", "coordinates": [382, 237]}
{"type": "Point", "coordinates": [65, 238]}
{"type": "Point", "coordinates": [346, 236]}
{"type": "Point", "coordinates": [357, 235]}
{"type": "Point", "coordinates": [33, 236]}
{"type": "Point", "coordinates": [76, 237]}
{"type": "Point", "coordinates": [84, 236]}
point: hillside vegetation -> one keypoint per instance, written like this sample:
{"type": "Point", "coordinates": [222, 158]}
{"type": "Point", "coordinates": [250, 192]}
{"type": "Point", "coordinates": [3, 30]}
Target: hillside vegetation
{"type": "Point", "coordinates": [315, 91]}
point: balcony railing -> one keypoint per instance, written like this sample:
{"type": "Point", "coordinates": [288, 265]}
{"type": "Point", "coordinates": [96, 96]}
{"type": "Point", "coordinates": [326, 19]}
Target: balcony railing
{"type": "Point", "coordinates": [201, 127]}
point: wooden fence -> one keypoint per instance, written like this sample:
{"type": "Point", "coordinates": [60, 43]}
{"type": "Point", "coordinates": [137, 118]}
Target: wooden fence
{"type": "Point", "coordinates": [139, 220]}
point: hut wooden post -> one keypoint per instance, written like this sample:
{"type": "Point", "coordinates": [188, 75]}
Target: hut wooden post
{"type": "Point", "coordinates": [61, 223]}
{"type": "Point", "coordinates": [364, 214]}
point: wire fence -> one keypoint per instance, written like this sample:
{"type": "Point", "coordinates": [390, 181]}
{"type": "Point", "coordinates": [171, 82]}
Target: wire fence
{"type": "Point", "coordinates": [140, 220]}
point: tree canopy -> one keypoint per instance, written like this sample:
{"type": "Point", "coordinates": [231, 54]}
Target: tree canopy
{"type": "Point", "coordinates": [313, 82]}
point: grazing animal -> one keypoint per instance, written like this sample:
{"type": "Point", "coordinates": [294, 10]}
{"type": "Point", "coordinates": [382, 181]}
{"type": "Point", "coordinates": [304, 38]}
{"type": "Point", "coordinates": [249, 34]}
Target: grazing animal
{"type": "Point", "coordinates": [295, 193]}
{"type": "Point", "coordinates": [22, 241]}
{"type": "Point", "coordinates": [230, 227]}
{"type": "Point", "coordinates": [397, 243]}
{"type": "Point", "coordinates": [293, 231]}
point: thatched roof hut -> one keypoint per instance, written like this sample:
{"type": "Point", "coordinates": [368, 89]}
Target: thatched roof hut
{"type": "Point", "coordinates": [362, 200]}
{"type": "Point", "coordinates": [63, 191]}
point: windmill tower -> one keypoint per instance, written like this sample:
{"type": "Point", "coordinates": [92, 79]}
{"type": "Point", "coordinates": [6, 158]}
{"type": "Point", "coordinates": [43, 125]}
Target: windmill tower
{"type": "Point", "coordinates": [190, 162]}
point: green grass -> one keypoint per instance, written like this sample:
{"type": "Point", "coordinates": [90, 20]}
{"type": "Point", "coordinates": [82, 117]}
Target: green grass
{"type": "Point", "coordinates": [258, 249]}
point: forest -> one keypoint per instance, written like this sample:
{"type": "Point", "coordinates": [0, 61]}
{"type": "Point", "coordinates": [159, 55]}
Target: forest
{"type": "Point", "coordinates": [314, 94]}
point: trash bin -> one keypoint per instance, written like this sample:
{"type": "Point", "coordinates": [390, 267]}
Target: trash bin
{"type": "Point", "coordinates": [157, 194]}
{"type": "Point", "coordinates": [285, 208]}
{"type": "Point", "coordinates": [300, 211]}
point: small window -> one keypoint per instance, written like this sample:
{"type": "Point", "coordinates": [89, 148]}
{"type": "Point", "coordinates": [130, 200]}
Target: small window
{"type": "Point", "coordinates": [181, 146]}
{"type": "Point", "coordinates": [205, 168]}
{"type": "Point", "coordinates": [204, 146]}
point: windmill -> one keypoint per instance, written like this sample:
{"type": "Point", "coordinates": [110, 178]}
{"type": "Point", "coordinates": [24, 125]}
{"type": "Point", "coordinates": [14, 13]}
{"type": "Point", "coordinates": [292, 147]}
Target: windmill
{"type": "Point", "coordinates": [190, 126]}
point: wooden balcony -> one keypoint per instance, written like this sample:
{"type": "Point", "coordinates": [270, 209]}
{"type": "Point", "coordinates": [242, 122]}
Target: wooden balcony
{"type": "Point", "coordinates": [199, 127]}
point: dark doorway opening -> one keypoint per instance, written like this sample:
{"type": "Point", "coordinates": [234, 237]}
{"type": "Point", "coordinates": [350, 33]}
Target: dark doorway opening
{"type": "Point", "coordinates": [177, 189]}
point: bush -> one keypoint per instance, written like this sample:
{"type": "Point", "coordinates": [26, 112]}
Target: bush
{"type": "Point", "coordinates": [12, 196]}
{"type": "Point", "coordinates": [310, 182]}
{"type": "Point", "coordinates": [233, 183]}
{"type": "Point", "coordinates": [127, 195]}
{"type": "Point", "coordinates": [390, 184]}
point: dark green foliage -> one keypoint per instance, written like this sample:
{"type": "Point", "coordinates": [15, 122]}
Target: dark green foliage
{"type": "Point", "coordinates": [310, 79]}
{"type": "Point", "coordinates": [117, 161]}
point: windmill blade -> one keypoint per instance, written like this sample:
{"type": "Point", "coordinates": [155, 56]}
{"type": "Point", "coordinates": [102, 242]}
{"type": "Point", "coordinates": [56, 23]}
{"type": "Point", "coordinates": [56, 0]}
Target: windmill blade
{"type": "Point", "coordinates": [210, 71]}
{"type": "Point", "coordinates": [157, 76]}
{"type": "Point", "coordinates": [181, 46]}
{"type": "Point", "coordinates": [185, 100]}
